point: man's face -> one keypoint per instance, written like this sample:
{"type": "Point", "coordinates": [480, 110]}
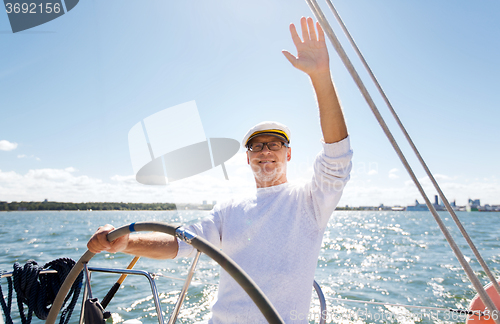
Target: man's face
{"type": "Point", "coordinates": [268, 167]}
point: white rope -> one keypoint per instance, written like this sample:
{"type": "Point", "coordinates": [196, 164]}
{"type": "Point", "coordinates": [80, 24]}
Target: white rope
{"type": "Point", "coordinates": [415, 150]}
{"type": "Point", "coordinates": [345, 59]}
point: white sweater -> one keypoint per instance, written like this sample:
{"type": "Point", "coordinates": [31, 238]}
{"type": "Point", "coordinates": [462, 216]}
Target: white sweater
{"type": "Point", "coordinates": [275, 236]}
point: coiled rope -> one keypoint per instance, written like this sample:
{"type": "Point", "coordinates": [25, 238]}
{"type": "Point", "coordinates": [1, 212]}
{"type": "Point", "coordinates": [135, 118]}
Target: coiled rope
{"type": "Point", "coordinates": [39, 291]}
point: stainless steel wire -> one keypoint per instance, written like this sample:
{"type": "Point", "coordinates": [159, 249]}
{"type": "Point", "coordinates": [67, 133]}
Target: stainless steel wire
{"type": "Point", "coordinates": [350, 67]}
{"type": "Point", "coordinates": [415, 150]}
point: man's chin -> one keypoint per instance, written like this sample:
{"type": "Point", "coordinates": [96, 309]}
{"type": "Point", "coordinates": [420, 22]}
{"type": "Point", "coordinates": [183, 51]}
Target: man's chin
{"type": "Point", "coordinates": [267, 175]}
{"type": "Point", "coordinates": [266, 169]}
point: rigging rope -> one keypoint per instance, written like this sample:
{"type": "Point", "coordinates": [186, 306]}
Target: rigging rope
{"type": "Point", "coordinates": [345, 59]}
{"type": "Point", "coordinates": [39, 291]}
{"type": "Point", "coordinates": [6, 307]}
{"type": "Point", "coordinates": [415, 150]}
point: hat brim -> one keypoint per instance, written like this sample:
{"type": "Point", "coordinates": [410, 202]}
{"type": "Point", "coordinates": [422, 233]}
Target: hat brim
{"type": "Point", "coordinates": [279, 135]}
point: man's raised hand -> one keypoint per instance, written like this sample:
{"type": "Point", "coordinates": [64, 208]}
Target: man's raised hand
{"type": "Point", "coordinates": [312, 54]}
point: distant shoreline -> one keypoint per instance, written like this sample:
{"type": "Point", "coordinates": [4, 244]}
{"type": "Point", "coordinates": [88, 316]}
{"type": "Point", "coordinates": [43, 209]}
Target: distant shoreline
{"type": "Point", "coordinates": [90, 206]}
{"type": "Point", "coordinates": [115, 206]}
{"type": "Point", "coordinates": [121, 206]}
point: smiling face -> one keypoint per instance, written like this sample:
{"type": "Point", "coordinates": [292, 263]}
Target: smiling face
{"type": "Point", "coordinates": [268, 167]}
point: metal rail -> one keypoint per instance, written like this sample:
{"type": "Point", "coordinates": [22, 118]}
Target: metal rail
{"type": "Point", "coordinates": [323, 313]}
{"type": "Point", "coordinates": [146, 274]}
{"type": "Point", "coordinates": [9, 274]}
{"type": "Point", "coordinates": [179, 302]}
{"type": "Point", "coordinates": [154, 290]}
{"type": "Point", "coordinates": [173, 317]}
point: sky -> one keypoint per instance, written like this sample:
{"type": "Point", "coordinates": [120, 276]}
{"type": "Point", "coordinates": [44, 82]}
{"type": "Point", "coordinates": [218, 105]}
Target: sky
{"type": "Point", "coordinates": [72, 88]}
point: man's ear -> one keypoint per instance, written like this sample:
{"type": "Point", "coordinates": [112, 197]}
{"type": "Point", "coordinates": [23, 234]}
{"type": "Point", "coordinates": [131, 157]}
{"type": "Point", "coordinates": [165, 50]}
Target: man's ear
{"type": "Point", "coordinates": [248, 158]}
{"type": "Point", "coordinates": [289, 154]}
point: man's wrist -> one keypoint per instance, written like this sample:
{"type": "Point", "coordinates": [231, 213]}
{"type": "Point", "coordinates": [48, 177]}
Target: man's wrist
{"type": "Point", "coordinates": [321, 79]}
{"type": "Point", "coordinates": [320, 75]}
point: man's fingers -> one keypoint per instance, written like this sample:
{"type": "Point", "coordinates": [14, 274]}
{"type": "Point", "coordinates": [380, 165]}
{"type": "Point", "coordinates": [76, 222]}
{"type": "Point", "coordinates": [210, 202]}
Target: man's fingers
{"type": "Point", "coordinates": [305, 33]}
{"type": "Point", "coordinates": [102, 236]}
{"type": "Point", "coordinates": [321, 33]}
{"type": "Point", "coordinates": [312, 31]}
{"type": "Point", "coordinates": [295, 36]}
{"type": "Point", "coordinates": [290, 57]}
{"type": "Point", "coordinates": [99, 242]}
{"type": "Point", "coordinates": [94, 246]}
{"type": "Point", "coordinates": [103, 240]}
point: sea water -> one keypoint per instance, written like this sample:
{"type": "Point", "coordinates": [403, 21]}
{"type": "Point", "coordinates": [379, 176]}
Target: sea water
{"type": "Point", "coordinates": [381, 256]}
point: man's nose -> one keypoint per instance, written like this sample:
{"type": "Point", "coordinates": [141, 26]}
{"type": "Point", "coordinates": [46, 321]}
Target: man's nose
{"type": "Point", "coordinates": [265, 148]}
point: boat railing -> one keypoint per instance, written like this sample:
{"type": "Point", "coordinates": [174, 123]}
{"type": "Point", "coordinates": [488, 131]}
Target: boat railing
{"type": "Point", "coordinates": [173, 317]}
{"type": "Point", "coordinates": [149, 276]}
{"type": "Point", "coordinates": [151, 279]}
{"type": "Point", "coordinates": [9, 274]}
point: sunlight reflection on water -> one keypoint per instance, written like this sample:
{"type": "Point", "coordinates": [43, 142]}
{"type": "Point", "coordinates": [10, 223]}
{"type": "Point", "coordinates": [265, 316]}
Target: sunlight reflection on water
{"type": "Point", "coordinates": [393, 257]}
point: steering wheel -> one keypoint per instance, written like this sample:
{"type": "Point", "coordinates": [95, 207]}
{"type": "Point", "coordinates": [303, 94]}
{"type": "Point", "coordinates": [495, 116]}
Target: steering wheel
{"type": "Point", "coordinates": [250, 287]}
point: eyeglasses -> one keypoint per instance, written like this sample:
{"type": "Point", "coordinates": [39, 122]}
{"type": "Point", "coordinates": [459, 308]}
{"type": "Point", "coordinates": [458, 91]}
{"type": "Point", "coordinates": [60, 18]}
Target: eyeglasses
{"type": "Point", "coordinates": [272, 146]}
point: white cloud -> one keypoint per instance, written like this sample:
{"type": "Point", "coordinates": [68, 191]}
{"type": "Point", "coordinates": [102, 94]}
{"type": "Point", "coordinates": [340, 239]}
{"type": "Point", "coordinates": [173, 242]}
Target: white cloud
{"type": "Point", "coordinates": [68, 185]}
{"type": "Point", "coordinates": [392, 173]}
{"type": "Point", "coordinates": [51, 174]}
{"type": "Point", "coordinates": [455, 188]}
{"type": "Point", "coordinates": [119, 178]}
{"type": "Point", "coordinates": [24, 156]}
{"type": "Point", "coordinates": [7, 146]}
{"type": "Point", "coordinates": [443, 177]}
{"type": "Point", "coordinates": [372, 172]}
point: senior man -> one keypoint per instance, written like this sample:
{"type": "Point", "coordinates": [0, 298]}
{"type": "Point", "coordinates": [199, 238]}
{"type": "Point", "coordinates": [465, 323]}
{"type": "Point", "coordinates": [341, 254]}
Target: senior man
{"type": "Point", "coordinates": [275, 234]}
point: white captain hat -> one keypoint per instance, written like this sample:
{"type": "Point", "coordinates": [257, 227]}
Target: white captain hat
{"type": "Point", "coordinates": [267, 128]}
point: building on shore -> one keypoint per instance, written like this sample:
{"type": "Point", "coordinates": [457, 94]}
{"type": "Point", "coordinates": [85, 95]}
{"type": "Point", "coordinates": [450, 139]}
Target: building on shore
{"type": "Point", "coordinates": [423, 207]}
{"type": "Point", "coordinates": [473, 205]}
